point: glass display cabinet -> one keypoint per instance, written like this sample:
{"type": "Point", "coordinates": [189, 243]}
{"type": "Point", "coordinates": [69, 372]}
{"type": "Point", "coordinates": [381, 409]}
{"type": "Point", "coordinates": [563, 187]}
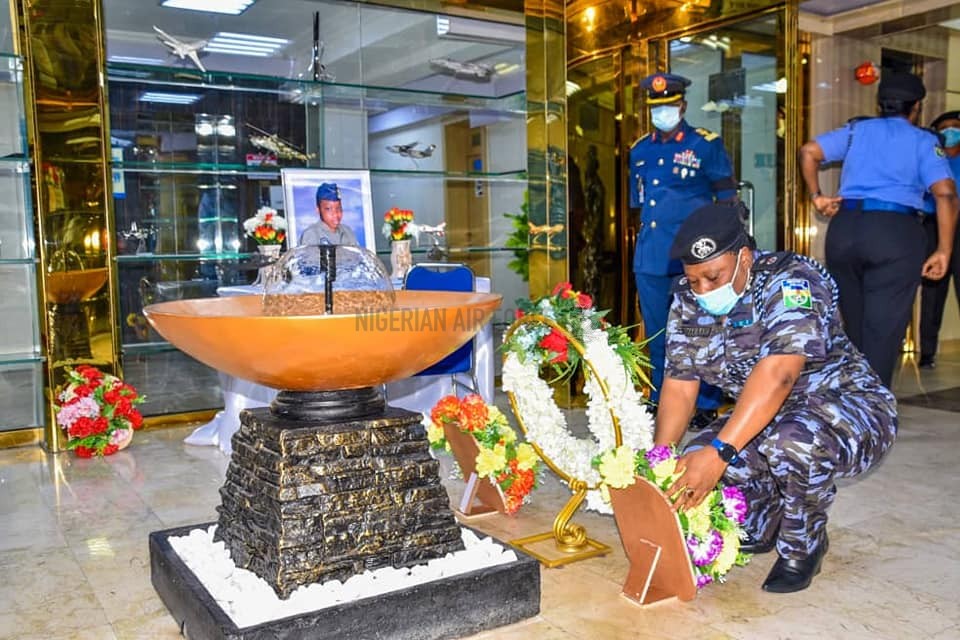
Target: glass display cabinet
{"type": "Point", "coordinates": [433, 106]}
{"type": "Point", "coordinates": [21, 353]}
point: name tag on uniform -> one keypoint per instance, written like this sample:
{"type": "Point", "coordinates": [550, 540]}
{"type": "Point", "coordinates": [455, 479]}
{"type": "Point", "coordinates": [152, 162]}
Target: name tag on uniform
{"type": "Point", "coordinates": [796, 294]}
{"type": "Point", "coordinates": [696, 331]}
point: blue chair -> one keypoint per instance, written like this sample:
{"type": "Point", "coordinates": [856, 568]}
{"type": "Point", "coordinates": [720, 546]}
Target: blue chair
{"type": "Point", "coordinates": [444, 276]}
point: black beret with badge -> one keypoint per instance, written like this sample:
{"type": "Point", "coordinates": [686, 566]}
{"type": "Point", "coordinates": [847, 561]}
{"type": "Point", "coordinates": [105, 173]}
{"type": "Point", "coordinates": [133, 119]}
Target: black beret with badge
{"type": "Point", "coordinates": [664, 88]}
{"type": "Point", "coordinates": [900, 86]}
{"type": "Point", "coordinates": [710, 231]}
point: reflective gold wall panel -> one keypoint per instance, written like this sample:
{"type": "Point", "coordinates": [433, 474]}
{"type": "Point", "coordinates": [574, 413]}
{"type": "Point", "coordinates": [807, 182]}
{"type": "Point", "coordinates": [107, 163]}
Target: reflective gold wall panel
{"type": "Point", "coordinates": [63, 46]}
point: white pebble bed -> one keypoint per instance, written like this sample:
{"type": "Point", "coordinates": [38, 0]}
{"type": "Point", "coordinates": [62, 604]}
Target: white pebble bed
{"type": "Point", "coordinates": [248, 600]}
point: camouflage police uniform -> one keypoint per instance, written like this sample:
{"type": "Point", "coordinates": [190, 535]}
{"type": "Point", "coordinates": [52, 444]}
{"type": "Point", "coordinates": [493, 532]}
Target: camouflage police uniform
{"type": "Point", "coordinates": [838, 420]}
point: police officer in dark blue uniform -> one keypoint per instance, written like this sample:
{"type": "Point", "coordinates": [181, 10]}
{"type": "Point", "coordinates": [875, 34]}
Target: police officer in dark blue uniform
{"type": "Point", "coordinates": [673, 171]}
{"type": "Point", "coordinates": [933, 293]}
{"type": "Point", "coordinates": [876, 245]}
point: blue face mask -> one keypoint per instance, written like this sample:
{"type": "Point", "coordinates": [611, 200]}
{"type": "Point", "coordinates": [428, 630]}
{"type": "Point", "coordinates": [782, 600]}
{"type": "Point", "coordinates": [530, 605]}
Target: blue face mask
{"type": "Point", "coordinates": [665, 118]}
{"type": "Point", "coordinates": [951, 136]}
{"type": "Point", "coordinates": [721, 300]}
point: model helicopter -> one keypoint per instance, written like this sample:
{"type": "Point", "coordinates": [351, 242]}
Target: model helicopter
{"type": "Point", "coordinates": [278, 146]}
{"type": "Point", "coordinates": [478, 71]}
{"type": "Point", "coordinates": [181, 49]}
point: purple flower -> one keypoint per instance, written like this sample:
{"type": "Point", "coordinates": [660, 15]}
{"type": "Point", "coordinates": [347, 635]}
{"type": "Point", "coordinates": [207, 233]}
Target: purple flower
{"type": "Point", "coordinates": [85, 407]}
{"type": "Point", "coordinates": [658, 454]}
{"type": "Point", "coordinates": [734, 504]}
{"type": "Point", "coordinates": [703, 580]}
{"type": "Point", "coordinates": [703, 553]}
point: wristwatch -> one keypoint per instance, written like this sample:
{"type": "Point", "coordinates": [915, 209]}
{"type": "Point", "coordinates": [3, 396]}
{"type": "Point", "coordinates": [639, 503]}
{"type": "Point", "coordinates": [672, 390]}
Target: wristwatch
{"type": "Point", "coordinates": [727, 452]}
{"type": "Point", "coordinates": [814, 196]}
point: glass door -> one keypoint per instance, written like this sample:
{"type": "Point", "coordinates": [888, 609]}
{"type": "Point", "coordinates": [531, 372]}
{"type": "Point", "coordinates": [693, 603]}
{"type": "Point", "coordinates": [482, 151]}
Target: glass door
{"type": "Point", "coordinates": [739, 91]}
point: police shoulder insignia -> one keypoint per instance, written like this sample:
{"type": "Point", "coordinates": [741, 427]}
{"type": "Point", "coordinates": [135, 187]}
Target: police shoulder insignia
{"type": "Point", "coordinates": [796, 294]}
{"type": "Point", "coordinates": [939, 151]}
{"type": "Point", "coordinates": [708, 135]}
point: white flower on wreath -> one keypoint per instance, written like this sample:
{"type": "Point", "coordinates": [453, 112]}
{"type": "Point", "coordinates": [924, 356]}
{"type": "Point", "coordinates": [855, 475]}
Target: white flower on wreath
{"type": "Point", "coordinates": [546, 424]}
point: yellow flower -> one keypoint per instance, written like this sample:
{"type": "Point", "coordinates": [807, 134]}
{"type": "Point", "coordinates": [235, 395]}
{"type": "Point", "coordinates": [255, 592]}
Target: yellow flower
{"type": "Point", "coordinates": [490, 461]}
{"type": "Point", "coordinates": [527, 457]}
{"type": "Point", "coordinates": [496, 416]}
{"type": "Point", "coordinates": [699, 519]}
{"type": "Point", "coordinates": [665, 471]}
{"type": "Point", "coordinates": [434, 432]}
{"type": "Point", "coordinates": [728, 555]}
{"type": "Point", "coordinates": [617, 467]}
{"type": "Point", "coordinates": [605, 493]}
{"type": "Point", "coordinates": [507, 434]}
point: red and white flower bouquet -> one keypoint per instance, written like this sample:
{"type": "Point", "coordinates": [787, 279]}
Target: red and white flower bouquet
{"type": "Point", "coordinates": [97, 411]}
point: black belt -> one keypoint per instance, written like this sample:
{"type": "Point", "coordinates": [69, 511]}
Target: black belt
{"type": "Point", "coordinates": [870, 204]}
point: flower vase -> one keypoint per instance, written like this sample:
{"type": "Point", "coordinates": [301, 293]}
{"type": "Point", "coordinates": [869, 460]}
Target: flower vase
{"type": "Point", "coordinates": [653, 541]}
{"type": "Point", "coordinates": [401, 258]}
{"type": "Point", "coordinates": [270, 252]}
{"type": "Point", "coordinates": [482, 496]}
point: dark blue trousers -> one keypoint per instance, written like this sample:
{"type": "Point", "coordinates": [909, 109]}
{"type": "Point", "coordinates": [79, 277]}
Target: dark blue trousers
{"type": "Point", "coordinates": [655, 297]}
{"type": "Point", "coordinates": [876, 258]}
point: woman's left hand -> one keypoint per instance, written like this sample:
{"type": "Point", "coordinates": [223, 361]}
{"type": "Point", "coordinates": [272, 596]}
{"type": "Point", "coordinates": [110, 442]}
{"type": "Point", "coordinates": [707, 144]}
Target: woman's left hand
{"type": "Point", "coordinates": [700, 471]}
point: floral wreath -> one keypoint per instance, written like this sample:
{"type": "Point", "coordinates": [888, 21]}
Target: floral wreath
{"type": "Point", "coordinates": [511, 465]}
{"type": "Point", "coordinates": [97, 411]}
{"type": "Point", "coordinates": [560, 332]}
{"type": "Point", "coordinates": [712, 530]}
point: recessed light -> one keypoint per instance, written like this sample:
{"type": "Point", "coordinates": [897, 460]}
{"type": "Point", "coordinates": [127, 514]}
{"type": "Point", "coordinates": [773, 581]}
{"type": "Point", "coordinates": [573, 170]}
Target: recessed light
{"type": "Point", "coordinates": [245, 44]}
{"type": "Point", "coordinates": [168, 98]}
{"type": "Point", "coordinates": [229, 7]}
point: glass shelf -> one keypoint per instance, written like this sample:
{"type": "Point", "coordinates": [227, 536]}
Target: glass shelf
{"type": "Point", "coordinates": [305, 92]}
{"type": "Point", "coordinates": [19, 261]}
{"type": "Point", "coordinates": [145, 348]}
{"type": "Point", "coordinates": [184, 257]}
{"type": "Point", "coordinates": [260, 173]}
{"type": "Point", "coordinates": [20, 358]}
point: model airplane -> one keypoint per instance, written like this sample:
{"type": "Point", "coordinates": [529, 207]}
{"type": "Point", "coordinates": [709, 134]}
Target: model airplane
{"type": "Point", "coordinates": [479, 71]}
{"type": "Point", "coordinates": [278, 146]}
{"type": "Point", "coordinates": [411, 151]}
{"type": "Point", "coordinates": [181, 49]}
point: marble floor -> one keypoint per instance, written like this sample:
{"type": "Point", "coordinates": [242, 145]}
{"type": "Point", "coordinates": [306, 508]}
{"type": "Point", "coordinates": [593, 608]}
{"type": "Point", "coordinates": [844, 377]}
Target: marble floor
{"type": "Point", "coordinates": [74, 560]}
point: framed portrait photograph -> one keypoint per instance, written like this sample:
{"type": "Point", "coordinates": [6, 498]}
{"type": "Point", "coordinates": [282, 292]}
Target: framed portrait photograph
{"type": "Point", "coordinates": [315, 199]}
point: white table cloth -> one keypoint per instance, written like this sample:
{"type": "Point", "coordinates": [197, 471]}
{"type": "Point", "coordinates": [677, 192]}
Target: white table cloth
{"type": "Point", "coordinates": [418, 393]}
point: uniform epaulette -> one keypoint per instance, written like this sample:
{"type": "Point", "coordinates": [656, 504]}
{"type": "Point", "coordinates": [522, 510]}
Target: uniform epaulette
{"type": "Point", "coordinates": [773, 261]}
{"type": "Point", "coordinates": [680, 284]}
{"type": "Point", "coordinates": [643, 137]}
{"type": "Point", "coordinates": [708, 135]}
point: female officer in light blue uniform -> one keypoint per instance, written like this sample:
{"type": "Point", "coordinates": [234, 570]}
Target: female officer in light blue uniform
{"type": "Point", "coordinates": [875, 245]}
{"type": "Point", "coordinates": [933, 293]}
{"type": "Point", "coordinates": [674, 170]}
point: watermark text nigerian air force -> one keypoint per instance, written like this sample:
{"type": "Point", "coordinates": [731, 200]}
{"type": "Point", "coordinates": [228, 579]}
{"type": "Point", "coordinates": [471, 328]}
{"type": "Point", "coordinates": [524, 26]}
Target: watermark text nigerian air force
{"type": "Point", "coordinates": [405, 320]}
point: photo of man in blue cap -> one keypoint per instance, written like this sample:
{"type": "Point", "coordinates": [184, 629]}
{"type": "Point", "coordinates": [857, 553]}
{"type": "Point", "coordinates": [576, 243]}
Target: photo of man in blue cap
{"type": "Point", "coordinates": [674, 170]}
{"type": "Point", "coordinates": [329, 229]}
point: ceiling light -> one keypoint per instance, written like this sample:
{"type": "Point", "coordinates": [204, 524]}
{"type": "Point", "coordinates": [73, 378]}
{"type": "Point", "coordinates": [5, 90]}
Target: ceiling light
{"type": "Point", "coordinates": [229, 7]}
{"type": "Point", "coordinates": [245, 44]}
{"type": "Point", "coordinates": [135, 60]}
{"type": "Point", "coordinates": [168, 98]}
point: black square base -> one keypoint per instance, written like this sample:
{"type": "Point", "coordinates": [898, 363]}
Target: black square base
{"type": "Point", "coordinates": [451, 607]}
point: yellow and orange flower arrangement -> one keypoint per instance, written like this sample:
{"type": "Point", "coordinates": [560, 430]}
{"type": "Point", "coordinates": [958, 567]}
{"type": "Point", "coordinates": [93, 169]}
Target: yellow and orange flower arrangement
{"type": "Point", "coordinates": [398, 224]}
{"type": "Point", "coordinates": [509, 464]}
{"type": "Point", "coordinates": [266, 227]}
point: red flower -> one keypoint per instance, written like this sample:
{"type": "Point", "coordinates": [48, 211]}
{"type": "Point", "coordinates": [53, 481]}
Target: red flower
{"type": "Point", "coordinates": [447, 410]}
{"type": "Point", "coordinates": [518, 313]}
{"type": "Point", "coordinates": [584, 301]}
{"type": "Point", "coordinates": [110, 449]}
{"type": "Point", "coordinates": [562, 288]}
{"type": "Point", "coordinates": [512, 503]}
{"type": "Point", "coordinates": [84, 452]}
{"type": "Point", "coordinates": [136, 420]}
{"type": "Point", "coordinates": [474, 413]}
{"type": "Point", "coordinates": [555, 342]}
{"type": "Point", "coordinates": [90, 373]}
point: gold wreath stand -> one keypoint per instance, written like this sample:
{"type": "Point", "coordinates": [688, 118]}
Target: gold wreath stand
{"type": "Point", "coordinates": [571, 539]}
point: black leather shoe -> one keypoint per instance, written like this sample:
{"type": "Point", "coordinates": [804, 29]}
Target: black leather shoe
{"type": "Point", "coordinates": [754, 546]}
{"type": "Point", "coordinates": [927, 362]}
{"type": "Point", "coordinates": [702, 419]}
{"type": "Point", "coordinates": [788, 575]}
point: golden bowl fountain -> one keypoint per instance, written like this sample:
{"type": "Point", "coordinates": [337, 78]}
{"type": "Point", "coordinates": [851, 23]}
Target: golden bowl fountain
{"type": "Point", "coordinates": [329, 481]}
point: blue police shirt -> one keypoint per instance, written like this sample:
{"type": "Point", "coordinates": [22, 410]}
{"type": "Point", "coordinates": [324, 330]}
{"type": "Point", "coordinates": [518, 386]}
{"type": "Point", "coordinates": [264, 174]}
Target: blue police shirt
{"type": "Point", "coordinates": [671, 179]}
{"type": "Point", "coordinates": [929, 202]}
{"type": "Point", "coordinates": [885, 159]}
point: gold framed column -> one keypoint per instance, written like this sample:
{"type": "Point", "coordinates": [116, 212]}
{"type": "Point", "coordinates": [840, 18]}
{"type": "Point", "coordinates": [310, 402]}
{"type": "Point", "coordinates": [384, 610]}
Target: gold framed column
{"type": "Point", "coordinates": [67, 128]}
